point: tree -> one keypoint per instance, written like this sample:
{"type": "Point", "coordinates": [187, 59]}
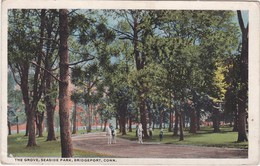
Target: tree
{"type": "Point", "coordinates": [243, 90]}
{"type": "Point", "coordinates": [51, 87]}
{"type": "Point", "coordinates": [39, 117]}
{"type": "Point", "coordinates": [64, 98]}
{"type": "Point", "coordinates": [231, 97]}
{"type": "Point", "coordinates": [75, 97]}
{"type": "Point", "coordinates": [24, 49]}
{"type": "Point", "coordinates": [15, 105]}
{"type": "Point", "coordinates": [133, 29]}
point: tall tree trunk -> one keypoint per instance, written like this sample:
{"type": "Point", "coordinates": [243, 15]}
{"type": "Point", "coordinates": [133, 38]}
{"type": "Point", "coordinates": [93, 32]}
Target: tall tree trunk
{"type": "Point", "coordinates": [37, 85]}
{"type": "Point", "coordinates": [50, 119]}
{"type": "Point", "coordinates": [161, 119]}
{"type": "Point", "coordinates": [193, 121]}
{"type": "Point", "coordinates": [25, 93]}
{"type": "Point", "coordinates": [9, 128]}
{"type": "Point", "coordinates": [242, 94]}
{"type": "Point", "coordinates": [74, 131]}
{"type": "Point", "coordinates": [183, 119]}
{"type": "Point", "coordinates": [235, 120]}
{"type": "Point", "coordinates": [50, 108]}
{"type": "Point", "coordinates": [26, 127]}
{"type": "Point", "coordinates": [215, 117]}
{"type": "Point", "coordinates": [170, 123]}
{"type": "Point", "coordinates": [143, 113]}
{"type": "Point", "coordinates": [242, 135]}
{"type": "Point", "coordinates": [122, 113]}
{"type": "Point", "coordinates": [89, 118]}
{"type": "Point", "coordinates": [49, 82]}
{"type": "Point", "coordinates": [39, 123]}
{"type": "Point", "coordinates": [118, 124]}
{"type": "Point", "coordinates": [140, 60]}
{"type": "Point", "coordinates": [176, 123]}
{"type": "Point", "coordinates": [130, 124]}
{"type": "Point", "coordinates": [164, 120]}
{"type": "Point", "coordinates": [150, 115]}
{"type": "Point", "coordinates": [153, 123]}
{"type": "Point", "coordinates": [181, 126]}
{"type": "Point", "coordinates": [198, 118]}
{"type": "Point", "coordinates": [105, 125]}
{"type": "Point", "coordinates": [17, 124]}
{"type": "Point", "coordinates": [64, 98]}
{"type": "Point", "coordinates": [31, 128]}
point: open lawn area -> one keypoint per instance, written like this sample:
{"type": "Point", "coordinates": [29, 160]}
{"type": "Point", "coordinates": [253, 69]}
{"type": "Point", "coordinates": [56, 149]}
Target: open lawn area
{"type": "Point", "coordinates": [225, 139]}
{"type": "Point", "coordinates": [17, 147]}
{"type": "Point", "coordinates": [204, 137]}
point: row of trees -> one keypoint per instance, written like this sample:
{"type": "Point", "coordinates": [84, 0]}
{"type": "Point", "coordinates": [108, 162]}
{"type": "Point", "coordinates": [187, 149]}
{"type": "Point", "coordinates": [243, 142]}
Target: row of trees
{"type": "Point", "coordinates": [136, 65]}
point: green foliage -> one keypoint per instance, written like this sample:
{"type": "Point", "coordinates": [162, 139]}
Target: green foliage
{"type": "Point", "coordinates": [41, 106]}
{"type": "Point", "coordinates": [180, 52]}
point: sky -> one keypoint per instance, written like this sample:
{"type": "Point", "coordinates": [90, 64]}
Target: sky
{"type": "Point", "coordinates": [245, 16]}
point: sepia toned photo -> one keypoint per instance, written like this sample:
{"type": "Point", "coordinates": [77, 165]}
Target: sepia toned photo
{"type": "Point", "coordinates": [129, 85]}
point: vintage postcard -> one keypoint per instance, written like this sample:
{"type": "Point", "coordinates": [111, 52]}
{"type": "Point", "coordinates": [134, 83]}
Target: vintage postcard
{"type": "Point", "coordinates": [129, 82]}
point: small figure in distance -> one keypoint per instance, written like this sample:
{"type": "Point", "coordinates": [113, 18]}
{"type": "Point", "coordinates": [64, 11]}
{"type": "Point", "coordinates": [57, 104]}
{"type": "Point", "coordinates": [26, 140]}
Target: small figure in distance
{"type": "Point", "coordinates": [151, 132]}
{"type": "Point", "coordinates": [161, 135]}
{"type": "Point", "coordinates": [140, 133]}
{"type": "Point", "coordinates": [113, 132]}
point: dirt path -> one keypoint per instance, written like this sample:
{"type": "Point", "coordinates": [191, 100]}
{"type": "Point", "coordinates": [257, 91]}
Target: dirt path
{"type": "Point", "coordinates": [97, 142]}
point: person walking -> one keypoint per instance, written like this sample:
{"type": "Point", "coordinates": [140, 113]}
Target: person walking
{"type": "Point", "coordinates": [161, 135]}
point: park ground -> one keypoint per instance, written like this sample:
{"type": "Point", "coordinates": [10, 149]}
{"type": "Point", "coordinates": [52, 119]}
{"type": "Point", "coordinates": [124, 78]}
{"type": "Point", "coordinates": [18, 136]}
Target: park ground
{"type": "Point", "coordinates": [205, 144]}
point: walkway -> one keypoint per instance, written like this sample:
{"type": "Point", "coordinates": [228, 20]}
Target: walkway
{"type": "Point", "coordinates": [97, 142]}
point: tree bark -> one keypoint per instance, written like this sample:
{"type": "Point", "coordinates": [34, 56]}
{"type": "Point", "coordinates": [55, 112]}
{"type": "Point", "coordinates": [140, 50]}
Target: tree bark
{"type": "Point", "coordinates": [235, 120]}
{"type": "Point", "coordinates": [26, 128]}
{"type": "Point", "coordinates": [170, 123]}
{"type": "Point", "coordinates": [140, 60]}
{"type": "Point", "coordinates": [31, 128]}
{"type": "Point", "coordinates": [64, 98]}
{"type": "Point", "coordinates": [17, 124]}
{"type": "Point", "coordinates": [143, 113]}
{"type": "Point", "coordinates": [181, 126]}
{"type": "Point", "coordinates": [50, 122]}
{"type": "Point", "coordinates": [130, 124]}
{"type": "Point", "coordinates": [50, 108]}
{"type": "Point", "coordinates": [9, 128]}
{"type": "Point", "coordinates": [105, 125]}
{"type": "Point", "coordinates": [38, 82]}
{"type": "Point", "coordinates": [74, 131]}
{"type": "Point", "coordinates": [242, 135]}
{"type": "Point", "coordinates": [183, 119]}
{"type": "Point", "coordinates": [198, 118]}
{"type": "Point", "coordinates": [122, 117]}
{"type": "Point", "coordinates": [39, 123]}
{"type": "Point", "coordinates": [89, 118]}
{"type": "Point", "coordinates": [117, 123]}
{"type": "Point", "coordinates": [242, 94]}
{"type": "Point", "coordinates": [161, 119]}
{"type": "Point", "coordinates": [49, 82]}
{"type": "Point", "coordinates": [176, 123]}
{"type": "Point", "coordinates": [193, 121]}
{"type": "Point", "coordinates": [215, 117]}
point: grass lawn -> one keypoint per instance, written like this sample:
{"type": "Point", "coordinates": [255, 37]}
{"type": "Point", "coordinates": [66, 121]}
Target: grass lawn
{"type": "Point", "coordinates": [204, 137]}
{"type": "Point", "coordinates": [17, 147]}
{"type": "Point", "coordinates": [226, 138]}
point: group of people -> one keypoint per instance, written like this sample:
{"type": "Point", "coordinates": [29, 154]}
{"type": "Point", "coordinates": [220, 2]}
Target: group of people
{"type": "Point", "coordinates": [111, 133]}
{"type": "Point", "coordinates": [139, 133]}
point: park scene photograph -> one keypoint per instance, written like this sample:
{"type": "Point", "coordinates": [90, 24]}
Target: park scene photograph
{"type": "Point", "coordinates": [127, 83]}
